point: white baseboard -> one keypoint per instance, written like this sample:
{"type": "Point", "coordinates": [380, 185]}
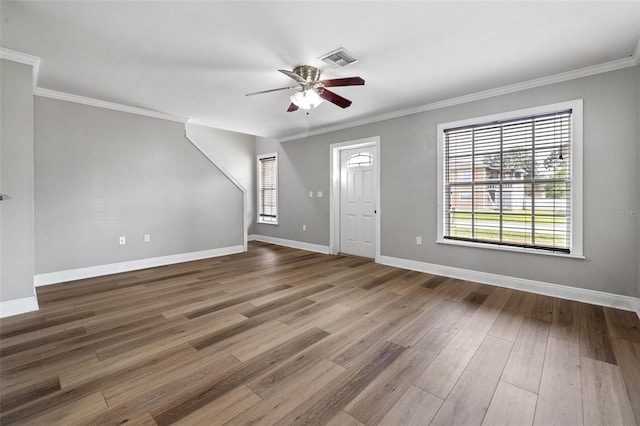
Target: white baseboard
{"type": "Point", "coordinates": [18, 306]}
{"type": "Point", "coordinates": [114, 268]}
{"type": "Point", "coordinates": [626, 303]}
{"type": "Point", "coordinates": [291, 243]}
{"type": "Point", "coordinates": [28, 304]}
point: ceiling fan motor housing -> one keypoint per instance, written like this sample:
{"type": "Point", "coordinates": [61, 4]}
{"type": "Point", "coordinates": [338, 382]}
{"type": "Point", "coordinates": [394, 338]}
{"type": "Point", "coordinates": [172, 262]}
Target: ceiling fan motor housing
{"type": "Point", "coordinates": [309, 73]}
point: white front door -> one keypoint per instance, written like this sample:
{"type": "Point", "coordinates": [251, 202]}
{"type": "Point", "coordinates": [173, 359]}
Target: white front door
{"type": "Point", "coordinates": [358, 201]}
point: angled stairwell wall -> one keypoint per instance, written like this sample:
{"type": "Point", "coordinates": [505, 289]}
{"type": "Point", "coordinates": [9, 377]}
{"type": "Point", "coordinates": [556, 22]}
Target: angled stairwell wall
{"type": "Point", "coordinates": [234, 154]}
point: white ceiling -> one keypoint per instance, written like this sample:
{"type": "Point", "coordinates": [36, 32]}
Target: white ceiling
{"type": "Point", "coordinates": [199, 59]}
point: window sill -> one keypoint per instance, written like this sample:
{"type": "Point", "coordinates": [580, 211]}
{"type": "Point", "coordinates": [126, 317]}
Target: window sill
{"type": "Point", "coordinates": [508, 248]}
{"type": "Point", "coordinates": [266, 223]}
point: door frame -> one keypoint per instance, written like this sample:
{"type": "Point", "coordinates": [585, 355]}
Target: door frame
{"type": "Point", "coordinates": [334, 190]}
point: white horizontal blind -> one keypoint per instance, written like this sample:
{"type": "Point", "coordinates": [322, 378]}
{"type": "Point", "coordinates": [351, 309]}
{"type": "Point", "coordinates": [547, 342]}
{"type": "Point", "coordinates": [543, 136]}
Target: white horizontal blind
{"type": "Point", "coordinates": [508, 182]}
{"type": "Point", "coordinates": [268, 191]}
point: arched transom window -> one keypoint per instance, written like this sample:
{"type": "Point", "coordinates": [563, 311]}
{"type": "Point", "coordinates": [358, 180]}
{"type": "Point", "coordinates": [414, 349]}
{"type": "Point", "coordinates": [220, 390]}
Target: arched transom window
{"type": "Point", "coordinates": [361, 159]}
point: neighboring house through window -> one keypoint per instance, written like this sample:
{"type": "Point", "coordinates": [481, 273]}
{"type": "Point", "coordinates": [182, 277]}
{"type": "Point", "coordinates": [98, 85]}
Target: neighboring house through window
{"type": "Point", "coordinates": [513, 181]}
{"type": "Point", "coordinates": [268, 188]}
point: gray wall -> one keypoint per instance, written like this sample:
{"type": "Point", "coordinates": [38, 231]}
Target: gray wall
{"type": "Point", "coordinates": [408, 186]}
{"type": "Point", "coordinates": [302, 167]}
{"type": "Point", "coordinates": [234, 152]}
{"type": "Point", "coordinates": [16, 180]}
{"type": "Point", "coordinates": [100, 174]}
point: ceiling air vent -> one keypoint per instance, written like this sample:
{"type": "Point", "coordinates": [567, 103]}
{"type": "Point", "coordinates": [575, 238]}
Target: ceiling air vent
{"type": "Point", "coordinates": [338, 58]}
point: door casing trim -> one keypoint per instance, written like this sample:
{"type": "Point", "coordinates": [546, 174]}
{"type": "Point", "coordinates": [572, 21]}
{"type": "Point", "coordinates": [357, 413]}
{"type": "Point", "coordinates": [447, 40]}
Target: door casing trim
{"type": "Point", "coordinates": [334, 190]}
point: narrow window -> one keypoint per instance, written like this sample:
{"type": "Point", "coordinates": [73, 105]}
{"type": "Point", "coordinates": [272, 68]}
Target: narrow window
{"type": "Point", "coordinates": [268, 188]}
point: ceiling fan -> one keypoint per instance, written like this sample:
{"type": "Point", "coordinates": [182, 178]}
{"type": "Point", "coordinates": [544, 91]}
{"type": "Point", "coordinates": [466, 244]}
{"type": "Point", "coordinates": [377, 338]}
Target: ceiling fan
{"type": "Point", "coordinates": [313, 91]}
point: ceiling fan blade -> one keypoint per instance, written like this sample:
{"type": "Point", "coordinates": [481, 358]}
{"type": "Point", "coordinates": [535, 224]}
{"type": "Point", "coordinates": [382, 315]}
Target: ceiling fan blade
{"type": "Point", "coordinates": [348, 81]}
{"type": "Point", "coordinates": [272, 90]}
{"type": "Point", "coordinates": [292, 107]}
{"type": "Point", "coordinates": [294, 76]}
{"type": "Point", "coordinates": [334, 98]}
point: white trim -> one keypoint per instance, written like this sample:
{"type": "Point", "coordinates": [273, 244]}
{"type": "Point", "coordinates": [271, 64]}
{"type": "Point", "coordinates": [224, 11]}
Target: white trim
{"type": "Point", "coordinates": [18, 306]}
{"type": "Point", "coordinates": [245, 220]}
{"type": "Point", "coordinates": [626, 303]}
{"type": "Point", "coordinates": [15, 56]}
{"type": "Point", "coordinates": [259, 186]}
{"type": "Point", "coordinates": [618, 64]}
{"type": "Point", "coordinates": [115, 268]}
{"type": "Point", "coordinates": [334, 189]}
{"type": "Point", "coordinates": [636, 56]}
{"type": "Point", "coordinates": [23, 58]}
{"type": "Point", "coordinates": [508, 248]}
{"type": "Point", "coordinates": [577, 178]}
{"type": "Point", "coordinates": [291, 243]}
{"type": "Point", "coordinates": [600, 298]}
{"type": "Point", "coordinates": [62, 96]}
{"type": "Point", "coordinates": [636, 52]}
{"type": "Point", "coordinates": [576, 173]}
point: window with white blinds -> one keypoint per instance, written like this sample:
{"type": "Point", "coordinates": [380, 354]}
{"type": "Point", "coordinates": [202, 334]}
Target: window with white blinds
{"type": "Point", "coordinates": [509, 181]}
{"type": "Point", "coordinates": [268, 188]}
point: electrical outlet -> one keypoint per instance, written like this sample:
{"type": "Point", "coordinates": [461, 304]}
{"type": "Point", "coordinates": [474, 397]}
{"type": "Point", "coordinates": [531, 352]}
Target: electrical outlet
{"type": "Point", "coordinates": [419, 240]}
{"type": "Point", "coordinates": [319, 194]}
{"type": "Point", "coordinates": [147, 238]}
{"type": "Point", "coordinates": [123, 240]}
{"type": "Point", "coordinates": [304, 227]}
{"type": "Point", "coordinates": [310, 194]}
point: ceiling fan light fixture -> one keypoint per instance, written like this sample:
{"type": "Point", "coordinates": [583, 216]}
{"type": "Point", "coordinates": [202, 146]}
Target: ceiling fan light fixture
{"type": "Point", "coordinates": [313, 91]}
{"type": "Point", "coordinates": [306, 99]}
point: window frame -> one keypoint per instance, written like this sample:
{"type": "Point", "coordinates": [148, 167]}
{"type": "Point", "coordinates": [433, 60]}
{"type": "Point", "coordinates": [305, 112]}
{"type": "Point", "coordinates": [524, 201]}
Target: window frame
{"type": "Point", "coordinates": [259, 206]}
{"type": "Point", "coordinates": [576, 176]}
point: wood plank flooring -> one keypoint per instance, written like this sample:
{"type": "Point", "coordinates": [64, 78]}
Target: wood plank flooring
{"type": "Point", "coordinates": [283, 336]}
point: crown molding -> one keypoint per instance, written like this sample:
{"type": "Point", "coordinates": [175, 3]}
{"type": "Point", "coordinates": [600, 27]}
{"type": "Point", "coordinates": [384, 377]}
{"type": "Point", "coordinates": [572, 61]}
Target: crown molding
{"type": "Point", "coordinates": [62, 96]}
{"type": "Point", "coordinates": [22, 58]}
{"type": "Point", "coordinates": [485, 94]}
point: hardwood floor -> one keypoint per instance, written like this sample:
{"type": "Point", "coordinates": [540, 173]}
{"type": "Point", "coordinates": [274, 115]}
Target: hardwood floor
{"type": "Point", "coordinates": [283, 336]}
